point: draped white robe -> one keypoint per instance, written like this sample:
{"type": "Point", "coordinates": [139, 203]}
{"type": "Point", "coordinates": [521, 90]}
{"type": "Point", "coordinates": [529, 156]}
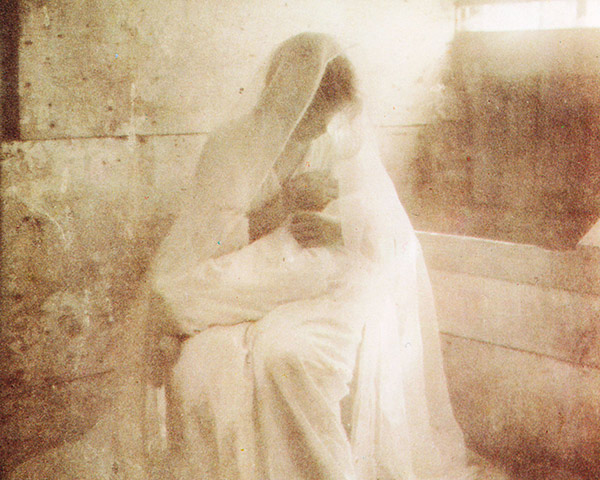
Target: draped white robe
{"type": "Point", "coordinates": [309, 363]}
{"type": "Point", "coordinates": [319, 363]}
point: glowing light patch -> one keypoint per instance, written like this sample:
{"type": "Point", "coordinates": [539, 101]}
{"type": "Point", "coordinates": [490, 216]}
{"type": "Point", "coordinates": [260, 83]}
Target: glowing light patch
{"type": "Point", "coordinates": [530, 15]}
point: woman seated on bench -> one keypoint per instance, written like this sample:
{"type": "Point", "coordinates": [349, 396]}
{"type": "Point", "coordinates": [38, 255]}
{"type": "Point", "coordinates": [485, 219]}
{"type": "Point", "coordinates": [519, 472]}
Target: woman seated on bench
{"type": "Point", "coordinates": [312, 350]}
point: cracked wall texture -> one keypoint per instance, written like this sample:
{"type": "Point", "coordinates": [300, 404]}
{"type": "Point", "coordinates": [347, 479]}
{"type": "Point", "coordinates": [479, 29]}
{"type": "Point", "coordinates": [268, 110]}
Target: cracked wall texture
{"type": "Point", "coordinates": [114, 100]}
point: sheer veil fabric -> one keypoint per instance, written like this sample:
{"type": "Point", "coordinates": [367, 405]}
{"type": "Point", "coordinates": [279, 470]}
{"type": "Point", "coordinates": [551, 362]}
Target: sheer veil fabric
{"type": "Point", "coordinates": [395, 415]}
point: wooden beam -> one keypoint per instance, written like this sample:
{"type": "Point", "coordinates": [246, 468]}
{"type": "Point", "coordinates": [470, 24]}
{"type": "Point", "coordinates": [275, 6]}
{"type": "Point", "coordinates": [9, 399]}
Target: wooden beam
{"type": "Point", "coordinates": [575, 270]}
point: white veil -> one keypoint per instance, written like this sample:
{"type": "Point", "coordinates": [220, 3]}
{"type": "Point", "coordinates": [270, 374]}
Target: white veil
{"type": "Point", "coordinates": [402, 424]}
{"type": "Point", "coordinates": [238, 157]}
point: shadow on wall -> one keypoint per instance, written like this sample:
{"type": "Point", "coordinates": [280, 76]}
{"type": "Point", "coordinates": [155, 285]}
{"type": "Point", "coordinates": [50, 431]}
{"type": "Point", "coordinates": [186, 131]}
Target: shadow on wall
{"type": "Point", "coordinates": [81, 222]}
{"type": "Point", "coordinates": [514, 153]}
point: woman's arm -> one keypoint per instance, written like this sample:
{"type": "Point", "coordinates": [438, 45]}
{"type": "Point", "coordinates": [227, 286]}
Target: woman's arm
{"type": "Point", "coordinates": [247, 284]}
{"type": "Point", "coordinates": [270, 215]}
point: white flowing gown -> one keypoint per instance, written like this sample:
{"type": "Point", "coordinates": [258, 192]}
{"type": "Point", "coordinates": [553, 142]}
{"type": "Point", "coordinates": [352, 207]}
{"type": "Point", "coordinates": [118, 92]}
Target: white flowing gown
{"type": "Point", "coordinates": [318, 363]}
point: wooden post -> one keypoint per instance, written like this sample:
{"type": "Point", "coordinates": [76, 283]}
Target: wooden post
{"type": "Point", "coordinates": [10, 33]}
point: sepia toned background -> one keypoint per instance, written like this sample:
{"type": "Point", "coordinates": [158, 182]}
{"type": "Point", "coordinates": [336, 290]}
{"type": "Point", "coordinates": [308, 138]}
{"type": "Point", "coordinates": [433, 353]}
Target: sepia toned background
{"type": "Point", "coordinates": [492, 139]}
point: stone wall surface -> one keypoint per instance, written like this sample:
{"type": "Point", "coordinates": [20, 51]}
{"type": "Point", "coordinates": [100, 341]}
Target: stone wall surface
{"type": "Point", "coordinates": [177, 66]}
{"type": "Point", "coordinates": [512, 151]}
{"type": "Point", "coordinates": [81, 221]}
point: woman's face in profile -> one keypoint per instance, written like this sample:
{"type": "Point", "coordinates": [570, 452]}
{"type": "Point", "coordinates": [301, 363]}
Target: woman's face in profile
{"type": "Point", "coordinates": [315, 120]}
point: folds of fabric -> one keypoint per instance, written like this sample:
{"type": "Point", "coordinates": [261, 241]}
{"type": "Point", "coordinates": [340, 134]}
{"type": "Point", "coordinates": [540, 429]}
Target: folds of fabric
{"type": "Point", "coordinates": [267, 402]}
{"type": "Point", "coordinates": [401, 423]}
{"type": "Point", "coordinates": [237, 157]}
{"type": "Point", "coordinates": [283, 334]}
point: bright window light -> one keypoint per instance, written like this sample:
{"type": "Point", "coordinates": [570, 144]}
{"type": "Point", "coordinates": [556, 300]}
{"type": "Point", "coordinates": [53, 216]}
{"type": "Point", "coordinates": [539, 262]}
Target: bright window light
{"type": "Point", "coordinates": [528, 15]}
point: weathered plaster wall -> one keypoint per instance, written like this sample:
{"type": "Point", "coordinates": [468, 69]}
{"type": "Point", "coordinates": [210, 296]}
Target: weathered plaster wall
{"type": "Point", "coordinates": [513, 151]}
{"type": "Point", "coordinates": [114, 100]}
{"type": "Point", "coordinates": [81, 219]}
{"type": "Point", "coordinates": [110, 68]}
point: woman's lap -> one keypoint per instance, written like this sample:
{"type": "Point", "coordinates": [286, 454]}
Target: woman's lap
{"type": "Point", "coordinates": [239, 379]}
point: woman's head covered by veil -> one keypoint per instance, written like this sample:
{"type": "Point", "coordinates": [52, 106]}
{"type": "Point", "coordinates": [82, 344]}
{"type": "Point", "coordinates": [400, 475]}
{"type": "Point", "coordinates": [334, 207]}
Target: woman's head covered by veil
{"type": "Point", "coordinates": [307, 82]}
{"type": "Point", "coordinates": [326, 75]}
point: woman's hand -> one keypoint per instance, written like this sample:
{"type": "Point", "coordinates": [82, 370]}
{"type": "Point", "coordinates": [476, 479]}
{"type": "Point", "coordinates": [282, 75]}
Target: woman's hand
{"type": "Point", "coordinates": [310, 191]}
{"type": "Point", "coordinates": [311, 229]}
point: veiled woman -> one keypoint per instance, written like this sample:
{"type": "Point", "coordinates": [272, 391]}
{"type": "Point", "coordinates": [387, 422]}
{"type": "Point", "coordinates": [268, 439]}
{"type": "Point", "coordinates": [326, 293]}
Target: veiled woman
{"type": "Point", "coordinates": [312, 350]}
